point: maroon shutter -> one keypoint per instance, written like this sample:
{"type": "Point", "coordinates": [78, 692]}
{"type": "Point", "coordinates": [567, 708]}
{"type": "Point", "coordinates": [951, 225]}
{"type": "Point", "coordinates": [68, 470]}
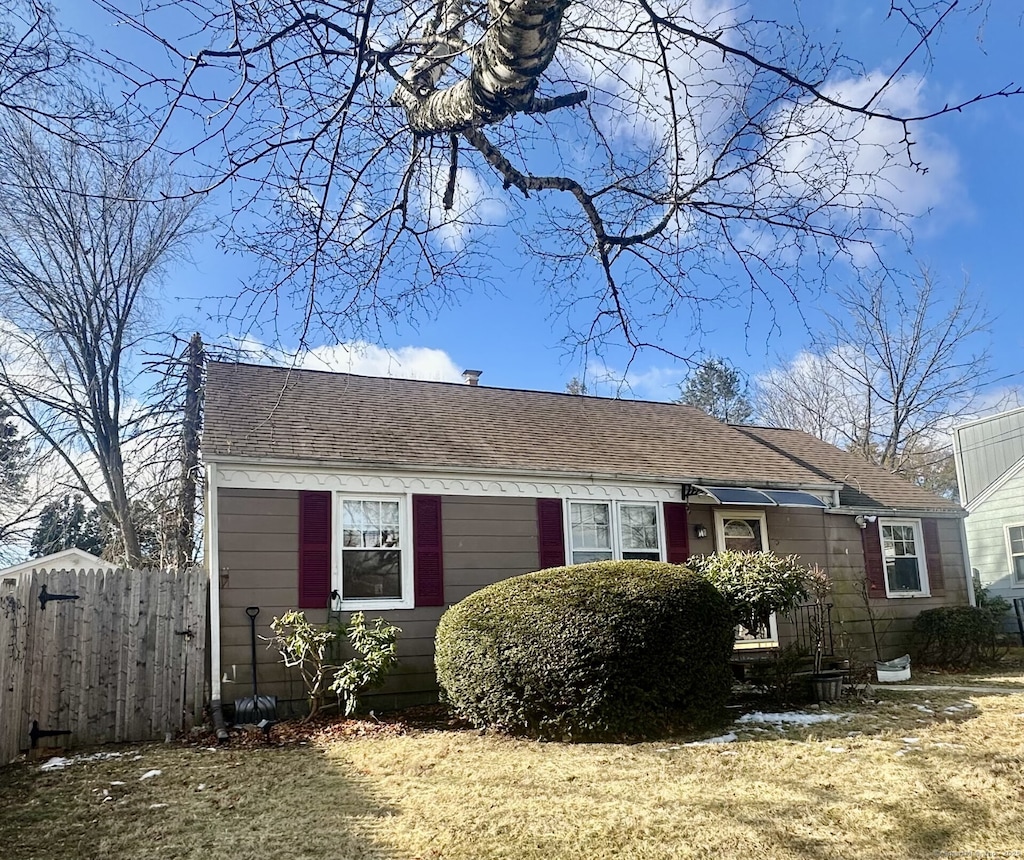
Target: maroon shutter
{"type": "Point", "coordinates": [677, 533]}
{"type": "Point", "coordinates": [314, 549]}
{"type": "Point", "coordinates": [428, 554]}
{"type": "Point", "coordinates": [874, 565]}
{"type": "Point", "coordinates": [933, 556]}
{"type": "Point", "coordinates": [550, 533]}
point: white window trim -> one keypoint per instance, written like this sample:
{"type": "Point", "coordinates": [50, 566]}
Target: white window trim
{"type": "Point", "coordinates": [721, 517]}
{"type": "Point", "coordinates": [614, 524]}
{"type": "Point", "coordinates": [1009, 553]}
{"type": "Point", "coordinates": [408, 598]}
{"type": "Point", "coordinates": [922, 561]}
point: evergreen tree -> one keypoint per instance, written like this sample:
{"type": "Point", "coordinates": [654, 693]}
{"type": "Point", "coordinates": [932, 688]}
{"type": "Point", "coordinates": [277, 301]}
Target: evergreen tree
{"type": "Point", "coordinates": [716, 387]}
{"type": "Point", "coordinates": [66, 524]}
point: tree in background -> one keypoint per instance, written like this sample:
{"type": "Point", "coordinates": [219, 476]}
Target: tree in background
{"type": "Point", "coordinates": [16, 500]}
{"type": "Point", "coordinates": [716, 387]}
{"type": "Point", "coordinates": [13, 457]}
{"type": "Point", "coordinates": [576, 386]}
{"type": "Point", "coordinates": [892, 371]}
{"type": "Point", "coordinates": [64, 524]}
{"type": "Point", "coordinates": [649, 157]}
{"type": "Point", "coordinates": [38, 68]}
{"type": "Point", "coordinates": [81, 245]}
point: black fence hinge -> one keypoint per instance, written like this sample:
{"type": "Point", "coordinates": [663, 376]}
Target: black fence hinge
{"type": "Point", "coordinates": [45, 597]}
{"type": "Point", "coordinates": [36, 733]}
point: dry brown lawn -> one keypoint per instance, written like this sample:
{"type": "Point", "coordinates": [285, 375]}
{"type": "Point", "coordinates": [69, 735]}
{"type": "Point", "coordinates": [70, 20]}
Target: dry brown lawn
{"type": "Point", "coordinates": [909, 776]}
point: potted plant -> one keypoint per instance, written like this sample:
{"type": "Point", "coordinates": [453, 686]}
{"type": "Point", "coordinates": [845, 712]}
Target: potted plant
{"type": "Point", "coordinates": [828, 685]}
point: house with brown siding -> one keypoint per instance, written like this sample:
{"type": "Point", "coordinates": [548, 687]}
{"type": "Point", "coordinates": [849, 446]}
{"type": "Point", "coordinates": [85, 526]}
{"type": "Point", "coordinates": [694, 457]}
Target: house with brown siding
{"type": "Point", "coordinates": [400, 498]}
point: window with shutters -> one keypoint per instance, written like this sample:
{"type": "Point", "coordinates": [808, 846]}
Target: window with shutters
{"type": "Point", "coordinates": [903, 554]}
{"type": "Point", "coordinates": [373, 568]}
{"type": "Point", "coordinates": [603, 530]}
{"type": "Point", "coordinates": [1015, 553]}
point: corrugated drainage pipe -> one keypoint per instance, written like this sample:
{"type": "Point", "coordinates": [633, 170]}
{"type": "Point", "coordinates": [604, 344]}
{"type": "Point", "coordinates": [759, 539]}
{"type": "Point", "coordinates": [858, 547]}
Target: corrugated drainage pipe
{"type": "Point", "coordinates": [219, 726]}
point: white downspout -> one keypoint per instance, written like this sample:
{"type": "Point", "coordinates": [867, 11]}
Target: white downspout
{"type": "Point", "coordinates": [967, 563]}
{"type": "Point", "coordinates": [213, 565]}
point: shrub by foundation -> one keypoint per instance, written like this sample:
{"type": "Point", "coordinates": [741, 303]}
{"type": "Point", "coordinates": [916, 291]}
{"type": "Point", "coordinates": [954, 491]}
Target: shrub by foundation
{"type": "Point", "coordinates": [594, 650]}
{"type": "Point", "coordinates": [958, 637]}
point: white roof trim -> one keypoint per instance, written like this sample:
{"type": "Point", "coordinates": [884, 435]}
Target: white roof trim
{"type": "Point", "coordinates": [77, 559]}
{"type": "Point", "coordinates": [975, 421]}
{"type": "Point", "coordinates": [510, 473]}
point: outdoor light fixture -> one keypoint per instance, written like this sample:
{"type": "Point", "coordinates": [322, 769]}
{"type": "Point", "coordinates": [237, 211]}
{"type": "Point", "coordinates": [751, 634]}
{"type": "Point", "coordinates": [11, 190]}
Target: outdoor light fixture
{"type": "Point", "coordinates": [701, 530]}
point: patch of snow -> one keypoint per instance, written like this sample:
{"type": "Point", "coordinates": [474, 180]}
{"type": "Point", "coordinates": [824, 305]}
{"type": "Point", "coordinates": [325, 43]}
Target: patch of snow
{"type": "Point", "coordinates": [55, 763]}
{"type": "Point", "coordinates": [149, 774]}
{"type": "Point", "coordinates": [835, 749]}
{"type": "Point", "coordinates": [789, 718]}
{"type": "Point", "coordinates": [201, 786]}
{"type": "Point", "coordinates": [720, 739]}
{"type": "Point", "coordinates": [158, 805]}
{"type": "Point", "coordinates": [663, 749]}
{"type": "Point", "coordinates": [910, 740]}
{"type": "Point", "coordinates": [923, 709]}
{"type": "Point", "coordinates": [854, 734]}
{"type": "Point", "coordinates": [117, 782]}
{"type": "Point", "coordinates": [901, 752]}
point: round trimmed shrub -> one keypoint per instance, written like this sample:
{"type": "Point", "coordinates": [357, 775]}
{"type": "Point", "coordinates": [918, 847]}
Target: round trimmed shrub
{"type": "Point", "coordinates": [602, 649]}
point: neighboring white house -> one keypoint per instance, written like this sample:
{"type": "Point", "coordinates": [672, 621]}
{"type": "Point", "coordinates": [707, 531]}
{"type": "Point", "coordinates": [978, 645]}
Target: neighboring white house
{"type": "Point", "coordinates": [67, 559]}
{"type": "Point", "coordinates": [989, 456]}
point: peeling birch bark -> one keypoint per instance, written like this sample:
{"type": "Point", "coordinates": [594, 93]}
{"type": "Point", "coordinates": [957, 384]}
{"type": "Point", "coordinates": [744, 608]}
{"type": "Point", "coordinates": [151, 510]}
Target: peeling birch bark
{"type": "Point", "coordinates": [507, 63]}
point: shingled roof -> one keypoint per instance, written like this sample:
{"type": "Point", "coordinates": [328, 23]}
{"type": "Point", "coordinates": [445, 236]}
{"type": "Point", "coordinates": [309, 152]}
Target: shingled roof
{"type": "Point", "coordinates": [257, 413]}
{"type": "Point", "coordinates": [865, 485]}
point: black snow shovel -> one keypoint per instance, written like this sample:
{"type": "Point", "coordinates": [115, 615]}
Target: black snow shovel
{"type": "Point", "coordinates": [258, 709]}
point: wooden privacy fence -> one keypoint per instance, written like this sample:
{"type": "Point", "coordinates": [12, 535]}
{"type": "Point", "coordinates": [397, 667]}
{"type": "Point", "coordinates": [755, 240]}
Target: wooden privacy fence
{"type": "Point", "coordinates": [100, 655]}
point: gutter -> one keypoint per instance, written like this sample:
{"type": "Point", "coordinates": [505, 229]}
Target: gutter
{"type": "Point", "coordinates": [213, 568]}
{"type": "Point", "coordinates": [968, 570]}
{"type": "Point", "coordinates": [916, 513]}
{"type": "Point", "coordinates": [363, 466]}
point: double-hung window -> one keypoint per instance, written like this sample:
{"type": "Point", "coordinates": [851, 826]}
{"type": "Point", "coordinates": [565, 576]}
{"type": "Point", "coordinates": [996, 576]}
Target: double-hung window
{"type": "Point", "coordinates": [603, 530]}
{"type": "Point", "coordinates": [1015, 552]}
{"type": "Point", "coordinates": [904, 557]}
{"type": "Point", "coordinates": [374, 553]}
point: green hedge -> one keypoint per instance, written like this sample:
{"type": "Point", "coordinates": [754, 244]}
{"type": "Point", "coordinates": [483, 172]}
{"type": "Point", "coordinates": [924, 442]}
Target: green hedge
{"type": "Point", "coordinates": [603, 649]}
{"type": "Point", "coordinates": [958, 637]}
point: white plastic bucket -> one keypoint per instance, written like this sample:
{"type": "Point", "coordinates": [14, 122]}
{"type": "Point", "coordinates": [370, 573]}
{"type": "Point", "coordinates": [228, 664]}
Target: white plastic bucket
{"type": "Point", "coordinates": [890, 671]}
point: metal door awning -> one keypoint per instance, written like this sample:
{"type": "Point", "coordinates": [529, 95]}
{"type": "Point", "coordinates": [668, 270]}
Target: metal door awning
{"type": "Point", "coordinates": [755, 496]}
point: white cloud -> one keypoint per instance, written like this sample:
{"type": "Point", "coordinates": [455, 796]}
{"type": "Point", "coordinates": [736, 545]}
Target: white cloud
{"type": "Point", "coordinates": [651, 383]}
{"type": "Point", "coordinates": [359, 357]}
{"type": "Point", "coordinates": [404, 362]}
{"type": "Point", "coordinates": [474, 207]}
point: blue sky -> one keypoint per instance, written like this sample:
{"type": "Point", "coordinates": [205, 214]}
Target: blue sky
{"type": "Point", "coordinates": [975, 193]}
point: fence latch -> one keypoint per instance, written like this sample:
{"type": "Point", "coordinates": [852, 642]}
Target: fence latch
{"type": "Point", "coordinates": [45, 596]}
